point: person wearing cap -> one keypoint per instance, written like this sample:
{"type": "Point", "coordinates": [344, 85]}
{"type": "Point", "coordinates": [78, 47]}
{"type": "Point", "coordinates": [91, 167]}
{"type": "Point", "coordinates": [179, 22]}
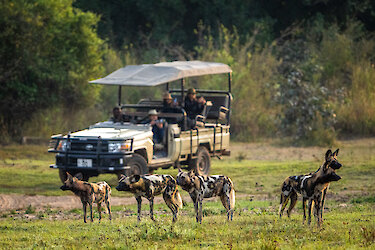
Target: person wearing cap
{"type": "Point", "coordinates": [169, 106]}
{"type": "Point", "coordinates": [157, 126]}
{"type": "Point", "coordinates": [193, 106]}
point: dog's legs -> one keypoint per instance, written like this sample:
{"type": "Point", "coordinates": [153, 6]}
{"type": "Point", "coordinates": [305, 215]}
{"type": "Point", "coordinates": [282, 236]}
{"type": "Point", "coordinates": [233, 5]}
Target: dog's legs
{"type": "Point", "coordinates": [108, 203]}
{"type": "Point", "coordinates": [293, 201]}
{"type": "Point", "coordinates": [200, 201]}
{"type": "Point", "coordinates": [309, 211]}
{"type": "Point", "coordinates": [90, 205]}
{"type": "Point", "coordinates": [283, 202]}
{"type": "Point", "coordinates": [195, 201]}
{"type": "Point", "coordinates": [322, 206]}
{"type": "Point", "coordinates": [100, 211]}
{"type": "Point", "coordinates": [304, 210]}
{"type": "Point", "coordinates": [225, 200]}
{"type": "Point", "coordinates": [84, 206]}
{"type": "Point", "coordinates": [317, 211]}
{"type": "Point", "coordinates": [139, 202]}
{"type": "Point", "coordinates": [152, 208]}
{"type": "Point", "coordinates": [172, 206]}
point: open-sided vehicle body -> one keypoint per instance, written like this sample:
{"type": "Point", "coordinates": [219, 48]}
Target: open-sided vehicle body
{"type": "Point", "coordinates": [128, 148]}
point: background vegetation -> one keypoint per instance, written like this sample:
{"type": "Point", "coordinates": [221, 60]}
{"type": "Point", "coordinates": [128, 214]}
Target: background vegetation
{"type": "Point", "coordinates": [301, 69]}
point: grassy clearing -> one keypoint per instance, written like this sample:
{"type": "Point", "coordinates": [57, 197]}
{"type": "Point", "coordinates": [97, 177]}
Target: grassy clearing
{"type": "Point", "coordinates": [25, 169]}
{"type": "Point", "coordinates": [349, 215]}
{"type": "Point", "coordinates": [255, 225]}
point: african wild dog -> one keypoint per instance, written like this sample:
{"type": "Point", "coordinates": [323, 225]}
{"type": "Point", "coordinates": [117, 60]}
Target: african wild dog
{"type": "Point", "coordinates": [200, 187]}
{"type": "Point", "coordinates": [150, 185]}
{"type": "Point", "coordinates": [89, 193]}
{"type": "Point", "coordinates": [313, 188]}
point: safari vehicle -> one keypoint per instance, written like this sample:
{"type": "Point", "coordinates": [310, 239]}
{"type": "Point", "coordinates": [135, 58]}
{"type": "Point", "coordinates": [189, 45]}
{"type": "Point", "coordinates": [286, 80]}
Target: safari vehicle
{"type": "Point", "coordinates": [128, 148]}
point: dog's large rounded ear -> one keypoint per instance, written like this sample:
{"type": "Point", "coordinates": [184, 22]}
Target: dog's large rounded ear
{"type": "Point", "coordinates": [122, 177]}
{"type": "Point", "coordinates": [336, 153]}
{"type": "Point", "coordinates": [191, 172]}
{"type": "Point", "coordinates": [328, 154]}
{"type": "Point", "coordinates": [79, 176]}
{"type": "Point", "coordinates": [135, 178]}
{"type": "Point", "coordinates": [179, 170]}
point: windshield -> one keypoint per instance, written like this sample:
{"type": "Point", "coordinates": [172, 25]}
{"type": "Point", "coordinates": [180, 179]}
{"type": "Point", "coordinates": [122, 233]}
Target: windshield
{"type": "Point", "coordinates": [120, 125]}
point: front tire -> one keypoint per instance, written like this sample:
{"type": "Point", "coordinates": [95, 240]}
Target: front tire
{"type": "Point", "coordinates": [137, 164]}
{"type": "Point", "coordinates": [80, 176]}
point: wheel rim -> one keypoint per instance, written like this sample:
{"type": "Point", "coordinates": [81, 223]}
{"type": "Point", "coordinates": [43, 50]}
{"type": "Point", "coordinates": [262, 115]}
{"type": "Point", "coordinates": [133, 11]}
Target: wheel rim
{"type": "Point", "coordinates": [134, 169]}
{"type": "Point", "coordinates": [203, 164]}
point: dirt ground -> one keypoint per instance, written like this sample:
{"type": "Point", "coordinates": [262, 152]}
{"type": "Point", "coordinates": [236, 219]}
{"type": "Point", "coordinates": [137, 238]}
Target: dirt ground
{"type": "Point", "coordinates": [17, 201]}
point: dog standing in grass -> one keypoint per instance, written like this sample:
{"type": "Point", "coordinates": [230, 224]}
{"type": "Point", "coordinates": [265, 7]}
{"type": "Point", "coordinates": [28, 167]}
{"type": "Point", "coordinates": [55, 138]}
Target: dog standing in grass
{"type": "Point", "coordinates": [200, 187]}
{"type": "Point", "coordinates": [89, 193]}
{"type": "Point", "coordinates": [313, 188]}
{"type": "Point", "coordinates": [150, 185]}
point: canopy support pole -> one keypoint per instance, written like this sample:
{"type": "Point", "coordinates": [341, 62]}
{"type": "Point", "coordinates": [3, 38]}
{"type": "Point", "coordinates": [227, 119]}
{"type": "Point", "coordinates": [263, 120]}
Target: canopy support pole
{"type": "Point", "coordinates": [182, 92]}
{"type": "Point", "coordinates": [167, 87]}
{"type": "Point", "coordinates": [119, 95]}
{"type": "Point", "coordinates": [230, 82]}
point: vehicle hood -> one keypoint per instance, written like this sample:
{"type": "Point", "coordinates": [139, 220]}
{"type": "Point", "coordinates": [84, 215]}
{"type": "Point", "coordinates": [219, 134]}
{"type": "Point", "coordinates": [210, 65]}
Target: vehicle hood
{"type": "Point", "coordinates": [113, 133]}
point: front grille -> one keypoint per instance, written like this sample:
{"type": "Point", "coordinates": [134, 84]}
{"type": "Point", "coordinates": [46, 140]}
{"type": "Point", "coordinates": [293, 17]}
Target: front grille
{"type": "Point", "coordinates": [88, 146]}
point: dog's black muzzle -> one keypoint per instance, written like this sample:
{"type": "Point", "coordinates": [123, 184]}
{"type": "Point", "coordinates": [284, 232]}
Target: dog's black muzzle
{"type": "Point", "coordinates": [336, 177]}
{"type": "Point", "coordinates": [63, 188]}
{"type": "Point", "coordinates": [336, 165]}
{"type": "Point", "coordinates": [122, 187]}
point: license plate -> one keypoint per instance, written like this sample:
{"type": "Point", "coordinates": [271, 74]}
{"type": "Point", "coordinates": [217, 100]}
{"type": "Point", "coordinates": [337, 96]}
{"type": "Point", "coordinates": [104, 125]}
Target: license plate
{"type": "Point", "coordinates": [84, 163]}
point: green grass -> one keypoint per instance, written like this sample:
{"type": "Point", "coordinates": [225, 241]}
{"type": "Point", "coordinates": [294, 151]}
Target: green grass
{"type": "Point", "coordinates": [256, 226]}
{"type": "Point", "coordinates": [349, 215]}
{"type": "Point", "coordinates": [25, 170]}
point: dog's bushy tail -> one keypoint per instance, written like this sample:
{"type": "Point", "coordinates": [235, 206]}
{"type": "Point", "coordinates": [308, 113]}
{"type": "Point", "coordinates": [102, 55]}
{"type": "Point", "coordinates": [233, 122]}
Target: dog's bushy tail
{"type": "Point", "coordinates": [177, 199]}
{"type": "Point", "coordinates": [232, 194]}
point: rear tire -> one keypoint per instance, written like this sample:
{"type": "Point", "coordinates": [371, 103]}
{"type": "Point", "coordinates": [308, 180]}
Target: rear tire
{"type": "Point", "coordinates": [202, 164]}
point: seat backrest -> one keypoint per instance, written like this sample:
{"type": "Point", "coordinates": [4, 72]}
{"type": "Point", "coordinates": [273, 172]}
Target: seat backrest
{"type": "Point", "coordinates": [217, 102]}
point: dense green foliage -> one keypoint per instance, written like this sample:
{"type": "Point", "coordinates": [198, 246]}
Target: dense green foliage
{"type": "Point", "coordinates": [302, 69]}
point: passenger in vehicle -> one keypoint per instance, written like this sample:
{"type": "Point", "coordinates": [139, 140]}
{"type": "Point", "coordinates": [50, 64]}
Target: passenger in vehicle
{"type": "Point", "coordinates": [157, 126]}
{"type": "Point", "coordinates": [193, 106]}
{"type": "Point", "coordinates": [117, 115]}
{"type": "Point", "coordinates": [170, 106]}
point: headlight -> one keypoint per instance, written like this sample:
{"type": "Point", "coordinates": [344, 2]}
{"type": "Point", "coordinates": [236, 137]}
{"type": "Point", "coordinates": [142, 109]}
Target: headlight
{"type": "Point", "coordinates": [63, 145]}
{"type": "Point", "coordinates": [115, 147]}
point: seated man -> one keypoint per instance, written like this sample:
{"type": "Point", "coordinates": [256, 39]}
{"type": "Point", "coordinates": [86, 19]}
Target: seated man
{"type": "Point", "coordinates": [193, 106]}
{"type": "Point", "coordinates": [117, 115]}
{"type": "Point", "coordinates": [169, 106]}
{"type": "Point", "coordinates": [157, 127]}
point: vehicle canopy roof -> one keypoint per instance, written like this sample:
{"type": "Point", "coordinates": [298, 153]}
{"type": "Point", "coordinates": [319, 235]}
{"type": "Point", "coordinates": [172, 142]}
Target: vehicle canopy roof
{"type": "Point", "coordinates": [155, 74]}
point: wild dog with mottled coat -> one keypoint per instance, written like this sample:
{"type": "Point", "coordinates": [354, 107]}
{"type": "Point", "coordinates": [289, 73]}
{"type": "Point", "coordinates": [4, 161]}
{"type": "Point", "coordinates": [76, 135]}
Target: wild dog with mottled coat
{"type": "Point", "coordinates": [313, 188]}
{"type": "Point", "coordinates": [200, 187]}
{"type": "Point", "coordinates": [149, 186]}
{"type": "Point", "coordinates": [89, 193]}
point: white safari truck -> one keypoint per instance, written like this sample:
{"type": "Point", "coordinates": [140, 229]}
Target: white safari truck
{"type": "Point", "coordinates": [127, 147]}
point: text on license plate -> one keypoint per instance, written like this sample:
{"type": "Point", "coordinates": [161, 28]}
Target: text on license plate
{"type": "Point", "coordinates": [84, 163]}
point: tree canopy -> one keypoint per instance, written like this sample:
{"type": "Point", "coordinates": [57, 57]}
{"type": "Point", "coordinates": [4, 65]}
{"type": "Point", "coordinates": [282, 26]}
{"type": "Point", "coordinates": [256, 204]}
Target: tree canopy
{"type": "Point", "coordinates": [48, 51]}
